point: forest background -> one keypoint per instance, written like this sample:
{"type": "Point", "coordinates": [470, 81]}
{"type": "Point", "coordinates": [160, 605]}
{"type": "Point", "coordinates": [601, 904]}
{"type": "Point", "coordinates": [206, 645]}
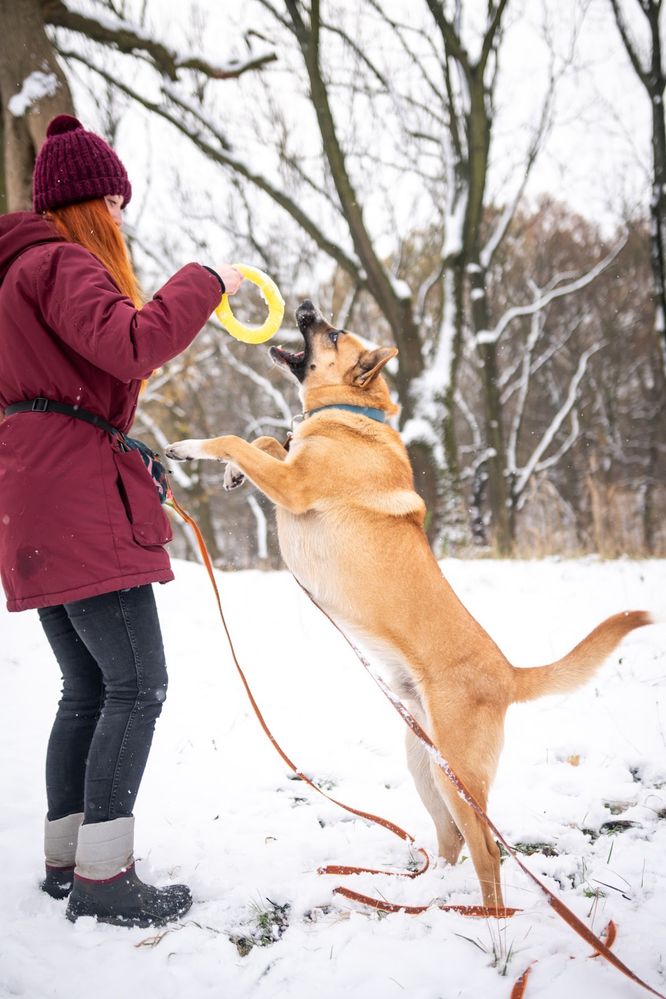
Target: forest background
{"type": "Point", "coordinates": [480, 182]}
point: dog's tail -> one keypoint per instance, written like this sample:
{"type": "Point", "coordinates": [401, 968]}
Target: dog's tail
{"type": "Point", "coordinates": [581, 663]}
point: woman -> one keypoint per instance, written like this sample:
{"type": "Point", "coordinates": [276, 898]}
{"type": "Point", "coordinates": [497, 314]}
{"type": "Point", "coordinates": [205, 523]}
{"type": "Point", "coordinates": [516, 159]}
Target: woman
{"type": "Point", "coordinates": [81, 526]}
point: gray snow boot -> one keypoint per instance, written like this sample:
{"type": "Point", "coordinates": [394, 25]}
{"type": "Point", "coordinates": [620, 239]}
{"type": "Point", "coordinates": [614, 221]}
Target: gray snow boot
{"type": "Point", "coordinates": [60, 838]}
{"type": "Point", "coordinates": [106, 885]}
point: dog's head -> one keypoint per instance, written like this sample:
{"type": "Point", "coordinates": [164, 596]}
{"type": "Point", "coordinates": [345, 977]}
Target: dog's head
{"type": "Point", "coordinates": [334, 365]}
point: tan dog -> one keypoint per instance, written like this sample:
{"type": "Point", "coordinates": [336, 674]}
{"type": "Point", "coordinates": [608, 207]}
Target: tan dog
{"type": "Point", "coordinates": [350, 528]}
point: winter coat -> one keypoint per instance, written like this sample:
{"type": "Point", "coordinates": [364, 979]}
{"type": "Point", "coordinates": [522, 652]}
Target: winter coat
{"type": "Point", "coordinates": [77, 516]}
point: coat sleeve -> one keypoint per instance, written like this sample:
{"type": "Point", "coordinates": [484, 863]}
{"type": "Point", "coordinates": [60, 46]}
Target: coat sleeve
{"type": "Point", "coordinates": [82, 305]}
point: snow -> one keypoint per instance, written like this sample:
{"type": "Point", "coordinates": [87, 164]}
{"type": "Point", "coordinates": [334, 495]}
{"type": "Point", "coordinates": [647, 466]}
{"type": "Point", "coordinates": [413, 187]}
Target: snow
{"type": "Point", "coordinates": [417, 430]}
{"type": "Point", "coordinates": [453, 228]}
{"type": "Point", "coordinates": [34, 87]}
{"type": "Point", "coordinates": [218, 808]}
{"type": "Point", "coordinates": [400, 288]}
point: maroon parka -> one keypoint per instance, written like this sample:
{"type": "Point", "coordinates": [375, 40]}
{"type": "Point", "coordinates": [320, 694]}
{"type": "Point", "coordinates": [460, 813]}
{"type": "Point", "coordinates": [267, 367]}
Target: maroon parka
{"type": "Point", "coordinates": [77, 516]}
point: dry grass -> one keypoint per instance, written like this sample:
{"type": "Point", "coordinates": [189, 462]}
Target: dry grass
{"type": "Point", "coordinates": [611, 524]}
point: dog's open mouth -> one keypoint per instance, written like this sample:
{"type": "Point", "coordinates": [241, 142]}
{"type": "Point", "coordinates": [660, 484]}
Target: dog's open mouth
{"type": "Point", "coordinates": [295, 362]}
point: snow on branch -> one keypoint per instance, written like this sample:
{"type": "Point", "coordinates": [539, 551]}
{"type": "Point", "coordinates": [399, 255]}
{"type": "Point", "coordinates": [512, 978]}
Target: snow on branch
{"type": "Point", "coordinates": [431, 281]}
{"type": "Point", "coordinates": [219, 153]}
{"type": "Point", "coordinates": [492, 336]}
{"type": "Point", "coordinates": [555, 458]}
{"type": "Point", "coordinates": [131, 39]}
{"type": "Point", "coordinates": [262, 526]}
{"type": "Point", "coordinates": [535, 460]}
{"type": "Point", "coordinates": [470, 418]}
{"type": "Point", "coordinates": [35, 86]}
{"type": "Point", "coordinates": [264, 383]}
{"type": "Point", "coordinates": [536, 327]}
{"type": "Point", "coordinates": [509, 385]}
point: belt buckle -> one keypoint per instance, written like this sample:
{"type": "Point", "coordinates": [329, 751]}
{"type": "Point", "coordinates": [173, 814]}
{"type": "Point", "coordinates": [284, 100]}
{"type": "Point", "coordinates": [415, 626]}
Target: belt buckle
{"type": "Point", "coordinates": [40, 405]}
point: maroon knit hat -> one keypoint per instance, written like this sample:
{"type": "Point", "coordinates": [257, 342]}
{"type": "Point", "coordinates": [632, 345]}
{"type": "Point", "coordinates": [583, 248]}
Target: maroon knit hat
{"type": "Point", "coordinates": [75, 165]}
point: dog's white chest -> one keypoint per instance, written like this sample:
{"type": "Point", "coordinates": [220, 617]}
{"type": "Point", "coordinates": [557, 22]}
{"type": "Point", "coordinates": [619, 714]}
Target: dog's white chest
{"type": "Point", "coordinates": [309, 544]}
{"type": "Point", "coordinates": [305, 545]}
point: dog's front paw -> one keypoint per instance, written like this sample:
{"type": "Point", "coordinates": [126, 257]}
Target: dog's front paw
{"type": "Point", "coordinates": [233, 477]}
{"type": "Point", "coordinates": [184, 450]}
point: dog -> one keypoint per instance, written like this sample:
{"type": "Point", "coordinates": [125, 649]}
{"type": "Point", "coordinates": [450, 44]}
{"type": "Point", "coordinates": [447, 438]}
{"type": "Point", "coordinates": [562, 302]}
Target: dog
{"type": "Point", "coordinates": [350, 528]}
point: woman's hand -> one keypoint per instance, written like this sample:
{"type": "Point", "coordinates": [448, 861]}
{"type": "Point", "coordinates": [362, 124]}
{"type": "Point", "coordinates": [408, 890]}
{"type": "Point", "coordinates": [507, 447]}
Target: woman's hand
{"type": "Point", "coordinates": [231, 277]}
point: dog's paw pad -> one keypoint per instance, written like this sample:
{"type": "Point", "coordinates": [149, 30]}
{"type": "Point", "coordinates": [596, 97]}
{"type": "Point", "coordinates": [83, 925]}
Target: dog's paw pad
{"type": "Point", "coordinates": [233, 478]}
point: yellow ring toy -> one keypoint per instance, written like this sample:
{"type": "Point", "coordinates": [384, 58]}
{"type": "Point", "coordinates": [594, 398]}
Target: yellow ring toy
{"type": "Point", "coordinates": [271, 295]}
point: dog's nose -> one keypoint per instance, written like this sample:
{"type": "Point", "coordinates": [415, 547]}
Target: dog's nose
{"type": "Point", "coordinates": [306, 314]}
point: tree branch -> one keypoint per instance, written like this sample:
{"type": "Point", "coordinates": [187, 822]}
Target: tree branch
{"type": "Point", "coordinates": [490, 36]}
{"type": "Point", "coordinates": [556, 422]}
{"type": "Point", "coordinates": [500, 231]}
{"type": "Point", "coordinates": [225, 158]}
{"type": "Point", "coordinates": [492, 336]}
{"type": "Point", "coordinates": [629, 44]}
{"type": "Point", "coordinates": [378, 281]}
{"type": "Point", "coordinates": [127, 39]}
{"type": "Point", "coordinates": [451, 39]}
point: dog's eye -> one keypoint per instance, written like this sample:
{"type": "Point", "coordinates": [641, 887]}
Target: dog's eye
{"type": "Point", "coordinates": [333, 336]}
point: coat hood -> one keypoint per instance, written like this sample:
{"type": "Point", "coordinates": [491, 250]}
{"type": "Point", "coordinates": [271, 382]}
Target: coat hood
{"type": "Point", "coordinates": [18, 232]}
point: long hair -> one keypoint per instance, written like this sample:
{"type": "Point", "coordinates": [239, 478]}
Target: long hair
{"type": "Point", "coordinates": [90, 224]}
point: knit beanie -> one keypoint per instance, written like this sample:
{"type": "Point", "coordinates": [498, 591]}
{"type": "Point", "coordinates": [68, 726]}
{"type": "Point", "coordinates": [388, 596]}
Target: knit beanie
{"type": "Point", "coordinates": [75, 165]}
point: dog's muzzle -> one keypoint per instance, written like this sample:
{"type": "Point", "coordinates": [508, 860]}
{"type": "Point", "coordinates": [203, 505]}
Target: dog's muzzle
{"type": "Point", "coordinates": [306, 314]}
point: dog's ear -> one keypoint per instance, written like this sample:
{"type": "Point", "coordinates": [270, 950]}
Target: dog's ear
{"type": "Point", "coordinates": [370, 363]}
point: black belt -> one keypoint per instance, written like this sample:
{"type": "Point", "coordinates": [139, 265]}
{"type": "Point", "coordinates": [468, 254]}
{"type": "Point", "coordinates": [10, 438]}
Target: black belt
{"type": "Point", "coordinates": [41, 405]}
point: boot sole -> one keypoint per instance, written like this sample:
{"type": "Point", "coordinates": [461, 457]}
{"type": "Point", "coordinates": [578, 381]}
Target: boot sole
{"type": "Point", "coordinates": [77, 908]}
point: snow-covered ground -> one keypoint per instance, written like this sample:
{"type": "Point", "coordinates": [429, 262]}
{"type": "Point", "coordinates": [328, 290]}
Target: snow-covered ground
{"type": "Point", "coordinates": [218, 808]}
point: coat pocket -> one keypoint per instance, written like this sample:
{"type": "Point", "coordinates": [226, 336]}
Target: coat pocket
{"type": "Point", "coordinates": [150, 524]}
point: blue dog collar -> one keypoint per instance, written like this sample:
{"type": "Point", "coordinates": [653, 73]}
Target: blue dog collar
{"type": "Point", "coordinates": [374, 414]}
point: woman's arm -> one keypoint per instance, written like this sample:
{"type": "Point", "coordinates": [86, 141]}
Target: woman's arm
{"type": "Point", "coordinates": [82, 305]}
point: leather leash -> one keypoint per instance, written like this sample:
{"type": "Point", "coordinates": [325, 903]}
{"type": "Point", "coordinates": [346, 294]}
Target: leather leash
{"type": "Point", "coordinates": [391, 826]}
{"type": "Point", "coordinates": [384, 906]}
{"type": "Point", "coordinates": [599, 946]}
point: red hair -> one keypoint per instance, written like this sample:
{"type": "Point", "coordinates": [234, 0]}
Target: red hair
{"type": "Point", "coordinates": [90, 224]}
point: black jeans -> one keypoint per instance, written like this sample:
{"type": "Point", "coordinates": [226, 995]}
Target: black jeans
{"type": "Point", "coordinates": [109, 649]}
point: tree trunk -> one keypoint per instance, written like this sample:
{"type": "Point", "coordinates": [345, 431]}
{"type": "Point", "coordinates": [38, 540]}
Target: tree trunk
{"type": "Point", "coordinates": [653, 79]}
{"type": "Point", "coordinates": [499, 498]}
{"type": "Point", "coordinates": [498, 493]}
{"type": "Point", "coordinates": [3, 185]}
{"type": "Point", "coordinates": [397, 311]}
{"type": "Point", "coordinates": [24, 50]}
{"type": "Point", "coordinates": [651, 515]}
{"type": "Point", "coordinates": [656, 84]}
{"type": "Point", "coordinates": [456, 522]}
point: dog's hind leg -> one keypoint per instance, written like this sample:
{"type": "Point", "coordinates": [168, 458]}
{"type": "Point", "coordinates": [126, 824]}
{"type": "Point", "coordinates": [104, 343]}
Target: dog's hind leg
{"type": "Point", "coordinates": [449, 839]}
{"type": "Point", "coordinates": [481, 845]}
{"type": "Point", "coordinates": [472, 752]}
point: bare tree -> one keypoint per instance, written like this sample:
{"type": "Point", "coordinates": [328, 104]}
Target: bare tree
{"type": "Point", "coordinates": [377, 158]}
{"type": "Point", "coordinates": [652, 74]}
{"type": "Point", "coordinates": [33, 88]}
{"type": "Point", "coordinates": [341, 231]}
{"type": "Point", "coordinates": [450, 111]}
{"type": "Point", "coordinates": [579, 387]}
